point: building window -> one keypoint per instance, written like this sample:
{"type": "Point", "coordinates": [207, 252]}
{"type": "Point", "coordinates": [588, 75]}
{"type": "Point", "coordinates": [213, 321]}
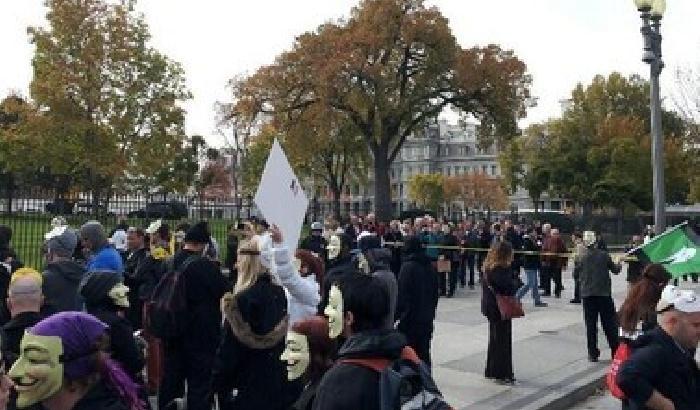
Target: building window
{"type": "Point", "coordinates": [449, 171]}
{"type": "Point", "coordinates": [426, 152]}
{"type": "Point", "coordinates": [556, 205]}
{"type": "Point", "coordinates": [447, 150]}
{"type": "Point", "coordinates": [494, 170]}
{"type": "Point", "coordinates": [485, 169]}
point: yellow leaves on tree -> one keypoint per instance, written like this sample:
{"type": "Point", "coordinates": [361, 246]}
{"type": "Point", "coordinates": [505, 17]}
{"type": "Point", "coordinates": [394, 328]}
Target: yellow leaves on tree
{"type": "Point", "coordinates": [479, 191]}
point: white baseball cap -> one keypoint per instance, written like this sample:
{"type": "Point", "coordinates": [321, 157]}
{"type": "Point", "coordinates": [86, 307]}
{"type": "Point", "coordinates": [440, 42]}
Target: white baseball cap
{"type": "Point", "coordinates": [678, 299]}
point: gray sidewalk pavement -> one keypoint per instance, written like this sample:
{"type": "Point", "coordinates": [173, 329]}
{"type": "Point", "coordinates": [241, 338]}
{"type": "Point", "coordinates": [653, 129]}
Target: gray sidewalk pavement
{"type": "Point", "coordinates": [549, 353]}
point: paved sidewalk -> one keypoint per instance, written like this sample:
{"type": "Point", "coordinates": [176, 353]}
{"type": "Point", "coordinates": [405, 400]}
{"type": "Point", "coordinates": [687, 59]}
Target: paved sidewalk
{"type": "Point", "coordinates": [549, 353]}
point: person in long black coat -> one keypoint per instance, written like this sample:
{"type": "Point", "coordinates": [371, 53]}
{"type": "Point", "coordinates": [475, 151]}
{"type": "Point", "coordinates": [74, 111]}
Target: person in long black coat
{"type": "Point", "coordinates": [418, 298]}
{"type": "Point", "coordinates": [248, 358]}
{"type": "Point", "coordinates": [498, 280]}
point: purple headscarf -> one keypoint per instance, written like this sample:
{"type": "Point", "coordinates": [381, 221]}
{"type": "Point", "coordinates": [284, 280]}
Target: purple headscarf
{"type": "Point", "coordinates": [80, 333]}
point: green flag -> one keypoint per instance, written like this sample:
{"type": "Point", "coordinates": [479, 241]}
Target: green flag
{"type": "Point", "coordinates": [677, 249]}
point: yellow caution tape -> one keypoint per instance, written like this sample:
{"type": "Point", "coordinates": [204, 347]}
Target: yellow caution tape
{"type": "Point", "coordinates": [622, 256]}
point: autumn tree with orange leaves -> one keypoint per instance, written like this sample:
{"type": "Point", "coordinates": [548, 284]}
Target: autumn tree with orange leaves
{"type": "Point", "coordinates": [479, 191]}
{"type": "Point", "coordinates": [386, 70]}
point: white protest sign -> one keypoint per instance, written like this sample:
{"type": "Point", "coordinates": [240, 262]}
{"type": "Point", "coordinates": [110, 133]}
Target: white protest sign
{"type": "Point", "coordinates": [281, 198]}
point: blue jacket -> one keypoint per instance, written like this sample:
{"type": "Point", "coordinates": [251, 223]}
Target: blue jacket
{"type": "Point", "coordinates": [106, 258]}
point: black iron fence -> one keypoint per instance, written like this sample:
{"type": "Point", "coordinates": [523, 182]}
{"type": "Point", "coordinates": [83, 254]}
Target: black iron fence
{"type": "Point", "coordinates": [29, 214]}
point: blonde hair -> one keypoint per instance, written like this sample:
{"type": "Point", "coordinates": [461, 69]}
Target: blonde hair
{"type": "Point", "coordinates": [27, 273]}
{"type": "Point", "coordinates": [500, 256]}
{"type": "Point", "coordinates": [249, 266]}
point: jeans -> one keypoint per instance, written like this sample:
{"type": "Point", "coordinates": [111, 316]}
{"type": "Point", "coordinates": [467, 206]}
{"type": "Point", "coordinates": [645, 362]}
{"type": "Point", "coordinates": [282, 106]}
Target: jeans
{"type": "Point", "coordinates": [530, 285]}
{"type": "Point", "coordinates": [470, 263]}
{"type": "Point", "coordinates": [603, 306]}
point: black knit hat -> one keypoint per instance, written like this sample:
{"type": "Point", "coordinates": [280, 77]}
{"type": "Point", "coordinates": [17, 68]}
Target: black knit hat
{"type": "Point", "coordinates": [198, 233]}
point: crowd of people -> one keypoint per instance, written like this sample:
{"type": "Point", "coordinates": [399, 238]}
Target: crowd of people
{"type": "Point", "coordinates": [115, 318]}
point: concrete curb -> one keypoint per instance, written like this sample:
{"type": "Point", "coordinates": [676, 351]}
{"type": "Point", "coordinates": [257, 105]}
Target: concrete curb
{"type": "Point", "coordinates": [576, 396]}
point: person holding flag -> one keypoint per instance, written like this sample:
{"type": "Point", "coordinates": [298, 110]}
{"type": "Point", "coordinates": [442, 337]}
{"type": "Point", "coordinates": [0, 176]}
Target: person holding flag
{"type": "Point", "coordinates": [677, 249]}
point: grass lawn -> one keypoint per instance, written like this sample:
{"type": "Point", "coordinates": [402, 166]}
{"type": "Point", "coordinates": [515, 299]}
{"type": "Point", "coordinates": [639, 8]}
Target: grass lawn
{"type": "Point", "coordinates": [29, 230]}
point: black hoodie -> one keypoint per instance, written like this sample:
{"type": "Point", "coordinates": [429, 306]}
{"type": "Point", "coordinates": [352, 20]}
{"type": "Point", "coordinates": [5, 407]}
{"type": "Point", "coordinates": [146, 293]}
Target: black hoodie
{"type": "Point", "coordinates": [659, 363]}
{"type": "Point", "coordinates": [418, 294]}
{"type": "Point", "coordinates": [349, 386]}
{"type": "Point", "coordinates": [60, 288]}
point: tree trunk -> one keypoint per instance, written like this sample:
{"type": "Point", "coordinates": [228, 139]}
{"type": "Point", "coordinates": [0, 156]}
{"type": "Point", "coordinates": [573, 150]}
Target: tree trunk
{"type": "Point", "coordinates": [536, 203]}
{"type": "Point", "coordinates": [336, 203]}
{"type": "Point", "coordinates": [587, 214]}
{"type": "Point", "coordinates": [10, 192]}
{"type": "Point", "coordinates": [382, 184]}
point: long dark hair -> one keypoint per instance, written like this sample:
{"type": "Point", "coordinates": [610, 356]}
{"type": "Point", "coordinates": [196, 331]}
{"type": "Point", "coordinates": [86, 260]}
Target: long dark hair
{"type": "Point", "coordinates": [500, 255]}
{"type": "Point", "coordinates": [643, 296]}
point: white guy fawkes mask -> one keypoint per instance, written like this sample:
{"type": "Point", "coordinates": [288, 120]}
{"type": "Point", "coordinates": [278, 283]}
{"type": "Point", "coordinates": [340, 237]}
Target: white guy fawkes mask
{"type": "Point", "coordinates": [334, 312]}
{"type": "Point", "coordinates": [333, 247]}
{"type": "Point", "coordinates": [119, 295]}
{"type": "Point", "coordinates": [296, 354]}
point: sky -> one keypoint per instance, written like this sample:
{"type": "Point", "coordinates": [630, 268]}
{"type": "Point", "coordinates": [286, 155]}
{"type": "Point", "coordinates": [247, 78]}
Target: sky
{"type": "Point", "coordinates": [563, 42]}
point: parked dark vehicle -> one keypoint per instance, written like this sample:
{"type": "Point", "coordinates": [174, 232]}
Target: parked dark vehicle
{"type": "Point", "coordinates": [85, 208]}
{"type": "Point", "coordinates": [60, 207]}
{"type": "Point", "coordinates": [165, 210]}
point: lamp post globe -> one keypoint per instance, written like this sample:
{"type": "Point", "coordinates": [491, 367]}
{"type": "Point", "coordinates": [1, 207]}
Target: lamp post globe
{"type": "Point", "coordinates": [643, 5]}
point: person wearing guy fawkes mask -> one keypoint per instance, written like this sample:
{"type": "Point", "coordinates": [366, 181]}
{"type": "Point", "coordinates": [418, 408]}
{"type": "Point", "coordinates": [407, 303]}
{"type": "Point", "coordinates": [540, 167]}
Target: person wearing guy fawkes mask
{"type": "Point", "coordinates": [194, 351]}
{"type": "Point", "coordinates": [342, 263]}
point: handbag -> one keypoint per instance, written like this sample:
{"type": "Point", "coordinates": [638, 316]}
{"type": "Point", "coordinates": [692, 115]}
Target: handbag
{"type": "Point", "coordinates": [509, 306]}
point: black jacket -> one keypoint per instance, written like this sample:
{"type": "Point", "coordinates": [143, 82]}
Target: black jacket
{"type": "Point", "coordinates": [60, 288]}
{"type": "Point", "coordinates": [5, 275]}
{"type": "Point", "coordinates": [530, 262]}
{"type": "Point", "coordinates": [123, 346]}
{"type": "Point", "coordinates": [470, 240]}
{"type": "Point", "coordinates": [231, 253]}
{"type": "Point", "coordinates": [501, 281]}
{"type": "Point", "coordinates": [101, 397]}
{"type": "Point", "coordinates": [394, 237]}
{"type": "Point", "coordinates": [658, 363]}
{"type": "Point", "coordinates": [12, 333]}
{"type": "Point", "coordinates": [595, 266]}
{"type": "Point", "coordinates": [131, 265]}
{"type": "Point", "coordinates": [205, 285]}
{"type": "Point", "coordinates": [449, 254]}
{"type": "Point", "coordinates": [342, 268]}
{"type": "Point", "coordinates": [148, 274]}
{"type": "Point", "coordinates": [253, 340]}
{"type": "Point", "coordinates": [419, 292]}
{"type": "Point", "coordinates": [351, 387]}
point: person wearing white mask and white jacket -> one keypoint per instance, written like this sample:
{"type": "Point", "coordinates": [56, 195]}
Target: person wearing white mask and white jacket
{"type": "Point", "coordinates": [303, 294]}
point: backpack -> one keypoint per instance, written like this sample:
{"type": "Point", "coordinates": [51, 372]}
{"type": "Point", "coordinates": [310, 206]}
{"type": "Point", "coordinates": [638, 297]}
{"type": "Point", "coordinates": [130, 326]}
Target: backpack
{"type": "Point", "coordinates": [404, 384]}
{"type": "Point", "coordinates": [168, 306]}
{"type": "Point", "coordinates": [622, 354]}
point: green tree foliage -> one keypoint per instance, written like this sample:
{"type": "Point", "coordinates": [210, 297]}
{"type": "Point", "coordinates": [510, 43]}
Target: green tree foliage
{"type": "Point", "coordinates": [599, 152]}
{"type": "Point", "coordinates": [427, 190]}
{"type": "Point", "coordinates": [108, 102]}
